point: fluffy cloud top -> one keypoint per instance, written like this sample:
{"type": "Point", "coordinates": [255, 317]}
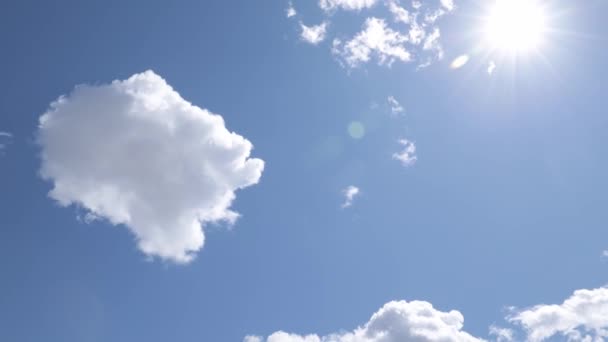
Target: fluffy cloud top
{"type": "Point", "coordinates": [137, 154]}
{"type": "Point", "coordinates": [582, 317]}
{"type": "Point", "coordinates": [400, 321]}
{"type": "Point", "coordinates": [313, 34]}
{"type": "Point", "coordinates": [349, 5]}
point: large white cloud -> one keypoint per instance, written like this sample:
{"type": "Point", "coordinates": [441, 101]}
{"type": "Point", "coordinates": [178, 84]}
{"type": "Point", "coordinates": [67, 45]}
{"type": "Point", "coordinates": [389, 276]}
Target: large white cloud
{"type": "Point", "coordinates": [397, 321]}
{"type": "Point", "coordinates": [135, 153]}
{"type": "Point", "coordinates": [582, 317]}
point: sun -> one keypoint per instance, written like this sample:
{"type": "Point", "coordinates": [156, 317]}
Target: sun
{"type": "Point", "coordinates": [515, 26]}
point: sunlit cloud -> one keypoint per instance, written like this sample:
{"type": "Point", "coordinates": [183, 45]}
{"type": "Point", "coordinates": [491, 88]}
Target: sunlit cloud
{"type": "Point", "coordinates": [582, 317]}
{"type": "Point", "coordinates": [169, 169]}
{"type": "Point", "coordinates": [459, 62]}
{"type": "Point", "coordinates": [375, 41]}
{"type": "Point", "coordinates": [412, 36]}
{"type": "Point", "coordinates": [396, 321]}
{"type": "Point", "coordinates": [290, 11]}
{"type": "Point", "coordinates": [313, 34]}
{"type": "Point", "coordinates": [349, 195]}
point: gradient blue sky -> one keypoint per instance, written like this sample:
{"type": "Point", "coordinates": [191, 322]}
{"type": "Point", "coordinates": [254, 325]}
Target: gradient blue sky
{"type": "Point", "coordinates": [505, 206]}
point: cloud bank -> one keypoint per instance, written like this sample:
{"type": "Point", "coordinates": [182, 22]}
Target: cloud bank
{"type": "Point", "coordinates": [397, 321]}
{"type": "Point", "coordinates": [415, 36]}
{"type": "Point", "coordinates": [582, 317]}
{"type": "Point", "coordinates": [135, 153]}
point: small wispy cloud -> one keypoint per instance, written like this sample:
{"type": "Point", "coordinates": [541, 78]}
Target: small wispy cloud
{"type": "Point", "coordinates": [605, 254]}
{"type": "Point", "coordinates": [400, 14]}
{"type": "Point", "coordinates": [347, 5]}
{"type": "Point", "coordinates": [407, 156]}
{"type": "Point", "coordinates": [396, 107]}
{"type": "Point", "coordinates": [491, 67]}
{"type": "Point", "coordinates": [501, 334]}
{"type": "Point", "coordinates": [313, 34]}
{"type": "Point", "coordinates": [349, 195]}
{"type": "Point", "coordinates": [5, 140]}
{"type": "Point", "coordinates": [290, 11]}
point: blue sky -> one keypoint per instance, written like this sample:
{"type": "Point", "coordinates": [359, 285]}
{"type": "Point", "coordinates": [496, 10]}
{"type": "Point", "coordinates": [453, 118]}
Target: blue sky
{"type": "Point", "coordinates": [497, 208]}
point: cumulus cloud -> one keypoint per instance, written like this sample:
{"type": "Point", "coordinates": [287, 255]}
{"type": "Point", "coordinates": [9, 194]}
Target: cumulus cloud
{"type": "Point", "coordinates": [290, 11]}
{"type": "Point", "coordinates": [396, 107]}
{"type": "Point", "coordinates": [396, 321]}
{"type": "Point", "coordinates": [135, 153]}
{"type": "Point", "coordinates": [605, 254]}
{"type": "Point", "coordinates": [313, 34]}
{"type": "Point", "coordinates": [349, 195]}
{"type": "Point", "coordinates": [348, 5]}
{"type": "Point", "coordinates": [375, 40]}
{"type": "Point", "coordinates": [407, 156]}
{"type": "Point", "coordinates": [415, 37]}
{"type": "Point", "coordinates": [582, 317]}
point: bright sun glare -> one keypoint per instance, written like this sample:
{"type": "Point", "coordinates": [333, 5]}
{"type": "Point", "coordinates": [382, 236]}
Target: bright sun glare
{"type": "Point", "coordinates": [515, 26]}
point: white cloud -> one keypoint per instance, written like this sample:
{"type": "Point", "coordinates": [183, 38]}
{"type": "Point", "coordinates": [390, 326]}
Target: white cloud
{"type": "Point", "coordinates": [291, 11]}
{"type": "Point", "coordinates": [399, 13]}
{"type": "Point", "coordinates": [349, 195]}
{"type": "Point", "coordinates": [397, 321]}
{"type": "Point", "coordinates": [491, 67]}
{"type": "Point", "coordinates": [348, 5]}
{"type": "Point", "coordinates": [5, 139]}
{"type": "Point", "coordinates": [501, 334]}
{"type": "Point", "coordinates": [137, 154]}
{"type": "Point", "coordinates": [396, 107]}
{"type": "Point", "coordinates": [582, 317]}
{"type": "Point", "coordinates": [407, 156]}
{"type": "Point", "coordinates": [251, 338]}
{"type": "Point", "coordinates": [376, 39]}
{"type": "Point", "coordinates": [605, 254]}
{"type": "Point", "coordinates": [448, 4]}
{"type": "Point", "coordinates": [313, 34]}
